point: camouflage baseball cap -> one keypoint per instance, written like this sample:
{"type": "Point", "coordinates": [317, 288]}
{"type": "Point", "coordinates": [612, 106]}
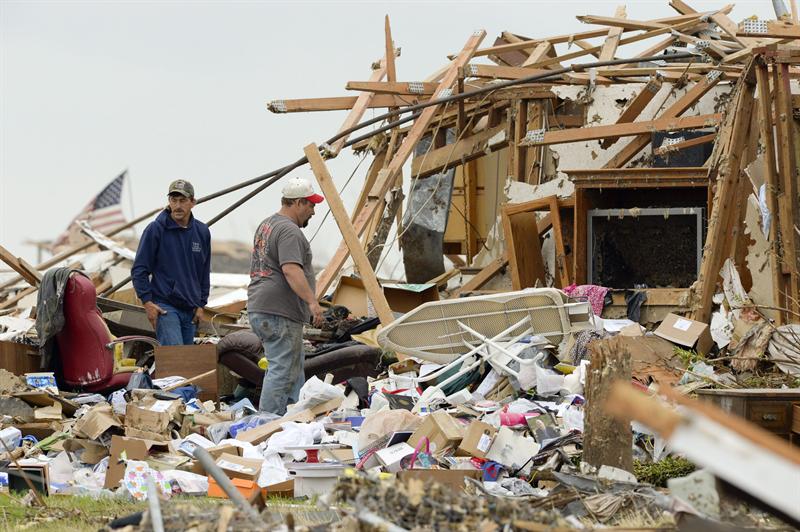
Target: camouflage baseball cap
{"type": "Point", "coordinates": [181, 186]}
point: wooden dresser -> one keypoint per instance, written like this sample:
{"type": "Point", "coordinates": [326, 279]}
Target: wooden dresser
{"type": "Point", "coordinates": [775, 410]}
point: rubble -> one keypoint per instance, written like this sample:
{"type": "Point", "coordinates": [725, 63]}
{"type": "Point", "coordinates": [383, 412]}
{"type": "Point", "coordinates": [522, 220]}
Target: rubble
{"type": "Point", "coordinates": [615, 220]}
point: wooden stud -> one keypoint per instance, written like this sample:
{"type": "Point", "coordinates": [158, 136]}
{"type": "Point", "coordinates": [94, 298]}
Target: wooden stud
{"type": "Point", "coordinates": [340, 103]}
{"type": "Point", "coordinates": [636, 106]}
{"type": "Point", "coordinates": [418, 88]}
{"type": "Point", "coordinates": [788, 209]}
{"type": "Point", "coordinates": [633, 147]}
{"type": "Point", "coordinates": [678, 146]}
{"type": "Point", "coordinates": [349, 234]}
{"type": "Point", "coordinates": [471, 207]}
{"type": "Point", "coordinates": [626, 130]}
{"type": "Point", "coordinates": [614, 34]}
{"type": "Point", "coordinates": [729, 162]}
{"type": "Point", "coordinates": [562, 270]}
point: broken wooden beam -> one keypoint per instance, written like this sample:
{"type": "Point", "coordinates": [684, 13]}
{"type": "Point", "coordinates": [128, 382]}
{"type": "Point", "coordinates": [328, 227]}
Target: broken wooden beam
{"type": "Point", "coordinates": [540, 138]}
{"type": "Point", "coordinates": [606, 440]}
{"type": "Point", "coordinates": [19, 265]}
{"type": "Point", "coordinates": [339, 103]}
{"type": "Point", "coordinates": [351, 238]}
{"type": "Point", "coordinates": [636, 106]}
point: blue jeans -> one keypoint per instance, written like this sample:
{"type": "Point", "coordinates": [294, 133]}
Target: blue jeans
{"type": "Point", "coordinates": [283, 345]}
{"type": "Point", "coordinates": [175, 327]}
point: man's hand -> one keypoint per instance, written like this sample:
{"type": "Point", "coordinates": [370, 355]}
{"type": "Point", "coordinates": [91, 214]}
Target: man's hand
{"type": "Point", "coordinates": [199, 315]}
{"type": "Point", "coordinates": [316, 314]}
{"type": "Point", "coordinates": [153, 311]}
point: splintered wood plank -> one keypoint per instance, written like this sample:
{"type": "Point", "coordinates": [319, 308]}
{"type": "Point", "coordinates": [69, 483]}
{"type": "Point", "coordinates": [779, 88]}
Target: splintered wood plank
{"type": "Point", "coordinates": [339, 103]}
{"type": "Point", "coordinates": [391, 70]}
{"type": "Point", "coordinates": [19, 265]}
{"type": "Point", "coordinates": [539, 53]}
{"type": "Point", "coordinates": [388, 176]}
{"type": "Point", "coordinates": [614, 34]}
{"type": "Point", "coordinates": [625, 130]}
{"type": "Point", "coordinates": [729, 163]}
{"type": "Point", "coordinates": [766, 128]}
{"type": "Point", "coordinates": [787, 201]}
{"type": "Point", "coordinates": [692, 96]}
{"type": "Point", "coordinates": [636, 106]}
{"type": "Point", "coordinates": [351, 238]}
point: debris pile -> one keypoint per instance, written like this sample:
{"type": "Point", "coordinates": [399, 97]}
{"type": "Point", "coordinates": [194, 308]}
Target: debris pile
{"type": "Point", "coordinates": [585, 245]}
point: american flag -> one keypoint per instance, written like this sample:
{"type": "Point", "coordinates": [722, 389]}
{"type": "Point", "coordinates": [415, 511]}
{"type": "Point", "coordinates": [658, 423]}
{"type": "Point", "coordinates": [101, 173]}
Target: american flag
{"type": "Point", "coordinates": [103, 212]}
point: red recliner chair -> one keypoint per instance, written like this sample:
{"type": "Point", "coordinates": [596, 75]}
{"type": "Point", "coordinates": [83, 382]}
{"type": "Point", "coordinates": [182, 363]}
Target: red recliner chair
{"type": "Point", "coordinates": [86, 346]}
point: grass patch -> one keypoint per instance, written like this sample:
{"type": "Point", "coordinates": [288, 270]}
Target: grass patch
{"type": "Point", "coordinates": [75, 512]}
{"type": "Point", "coordinates": [657, 473]}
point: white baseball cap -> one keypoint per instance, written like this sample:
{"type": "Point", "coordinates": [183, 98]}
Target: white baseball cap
{"type": "Point", "coordinates": [297, 187]}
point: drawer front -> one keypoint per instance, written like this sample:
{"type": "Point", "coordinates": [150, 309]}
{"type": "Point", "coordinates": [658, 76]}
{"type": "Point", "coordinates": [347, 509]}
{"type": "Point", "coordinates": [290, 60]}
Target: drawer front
{"type": "Point", "coordinates": [775, 416]}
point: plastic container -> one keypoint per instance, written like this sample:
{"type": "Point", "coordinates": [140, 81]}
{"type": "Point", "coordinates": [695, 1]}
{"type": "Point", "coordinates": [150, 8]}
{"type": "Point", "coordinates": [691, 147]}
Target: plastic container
{"type": "Point", "coordinates": [11, 437]}
{"type": "Point", "coordinates": [315, 479]}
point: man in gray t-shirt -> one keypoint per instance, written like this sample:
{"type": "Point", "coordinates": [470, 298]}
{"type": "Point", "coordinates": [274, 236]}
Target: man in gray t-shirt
{"type": "Point", "coordinates": [280, 298]}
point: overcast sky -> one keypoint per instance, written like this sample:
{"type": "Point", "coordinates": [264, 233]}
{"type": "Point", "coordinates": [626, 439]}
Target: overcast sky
{"type": "Point", "coordinates": [174, 90]}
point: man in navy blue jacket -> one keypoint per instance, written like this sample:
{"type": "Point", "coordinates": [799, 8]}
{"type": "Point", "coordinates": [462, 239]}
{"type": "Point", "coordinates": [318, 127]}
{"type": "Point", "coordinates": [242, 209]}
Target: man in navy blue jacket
{"type": "Point", "coordinates": [172, 270]}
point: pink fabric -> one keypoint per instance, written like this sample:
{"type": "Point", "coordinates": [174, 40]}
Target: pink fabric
{"type": "Point", "coordinates": [594, 294]}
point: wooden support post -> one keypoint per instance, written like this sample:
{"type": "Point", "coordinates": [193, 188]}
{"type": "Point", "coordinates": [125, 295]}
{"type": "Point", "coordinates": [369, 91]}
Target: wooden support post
{"type": "Point", "coordinates": [728, 160]}
{"type": "Point", "coordinates": [789, 213]}
{"type": "Point", "coordinates": [606, 440]}
{"type": "Point", "coordinates": [349, 234]}
{"type": "Point", "coordinates": [471, 208]}
{"type": "Point", "coordinates": [772, 186]}
{"type": "Point", "coordinates": [561, 275]}
{"type": "Point", "coordinates": [520, 129]}
{"type": "Point", "coordinates": [579, 238]}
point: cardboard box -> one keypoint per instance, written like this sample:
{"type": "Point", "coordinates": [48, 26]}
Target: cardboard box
{"type": "Point", "coordinates": [441, 429]}
{"type": "Point", "coordinates": [237, 467]}
{"type": "Point", "coordinates": [390, 457]}
{"type": "Point", "coordinates": [155, 418]}
{"type": "Point", "coordinates": [687, 333]}
{"type": "Point", "coordinates": [96, 421]}
{"type": "Point", "coordinates": [122, 449]}
{"type": "Point", "coordinates": [402, 298]}
{"type": "Point", "coordinates": [91, 452]}
{"type": "Point", "coordinates": [452, 478]}
{"type": "Point", "coordinates": [283, 489]}
{"type": "Point", "coordinates": [477, 440]}
{"type": "Point", "coordinates": [189, 361]}
{"type": "Point", "coordinates": [247, 488]}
